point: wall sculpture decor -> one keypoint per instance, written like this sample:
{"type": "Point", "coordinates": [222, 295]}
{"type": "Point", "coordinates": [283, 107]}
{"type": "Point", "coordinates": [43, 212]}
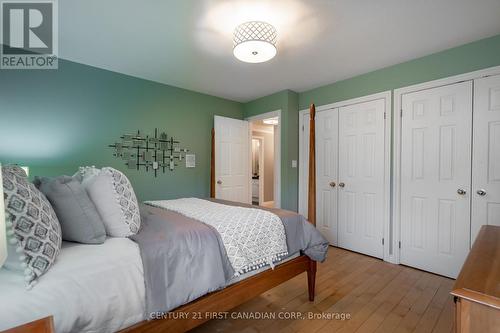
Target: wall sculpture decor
{"type": "Point", "coordinates": [158, 152]}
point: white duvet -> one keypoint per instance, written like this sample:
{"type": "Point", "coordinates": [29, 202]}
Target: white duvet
{"type": "Point", "coordinates": [91, 288]}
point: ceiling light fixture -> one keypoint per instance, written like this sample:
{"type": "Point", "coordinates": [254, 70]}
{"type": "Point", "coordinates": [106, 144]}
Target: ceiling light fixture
{"type": "Point", "coordinates": [271, 121]}
{"type": "Point", "coordinates": [254, 42]}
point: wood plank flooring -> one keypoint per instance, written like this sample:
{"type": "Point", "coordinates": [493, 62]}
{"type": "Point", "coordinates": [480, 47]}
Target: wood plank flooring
{"type": "Point", "coordinates": [377, 297]}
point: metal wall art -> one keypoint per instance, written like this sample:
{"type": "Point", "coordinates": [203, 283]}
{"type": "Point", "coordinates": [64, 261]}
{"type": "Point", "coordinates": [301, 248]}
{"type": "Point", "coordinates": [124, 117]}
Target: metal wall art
{"type": "Point", "coordinates": [154, 153]}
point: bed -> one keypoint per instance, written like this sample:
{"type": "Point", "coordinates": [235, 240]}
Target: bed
{"type": "Point", "coordinates": [104, 288]}
{"type": "Point", "coordinates": [92, 288]}
{"type": "Point", "coordinates": [116, 285]}
{"type": "Point", "coordinates": [165, 278]}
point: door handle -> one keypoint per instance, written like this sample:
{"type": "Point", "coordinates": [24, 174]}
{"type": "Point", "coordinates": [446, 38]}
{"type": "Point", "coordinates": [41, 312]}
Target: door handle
{"type": "Point", "coordinates": [341, 184]}
{"type": "Point", "coordinates": [481, 192]}
{"type": "Point", "coordinates": [332, 184]}
{"type": "Point", "coordinates": [219, 182]}
{"type": "Point", "coordinates": [461, 191]}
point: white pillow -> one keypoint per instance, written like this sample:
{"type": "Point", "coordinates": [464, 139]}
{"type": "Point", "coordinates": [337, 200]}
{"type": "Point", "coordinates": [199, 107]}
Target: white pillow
{"type": "Point", "coordinates": [115, 200]}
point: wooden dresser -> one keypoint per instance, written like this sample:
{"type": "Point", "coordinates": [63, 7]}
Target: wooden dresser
{"type": "Point", "coordinates": [477, 289]}
{"type": "Point", "coordinates": [44, 325]}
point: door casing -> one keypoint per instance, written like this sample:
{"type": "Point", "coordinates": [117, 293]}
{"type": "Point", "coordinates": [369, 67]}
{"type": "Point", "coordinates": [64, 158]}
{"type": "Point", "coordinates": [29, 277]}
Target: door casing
{"type": "Point", "coordinates": [303, 158]}
{"type": "Point", "coordinates": [277, 151]}
{"type": "Point", "coordinates": [396, 177]}
{"type": "Point", "coordinates": [436, 178]}
{"type": "Point", "coordinates": [221, 125]}
{"type": "Point", "coordinates": [485, 179]}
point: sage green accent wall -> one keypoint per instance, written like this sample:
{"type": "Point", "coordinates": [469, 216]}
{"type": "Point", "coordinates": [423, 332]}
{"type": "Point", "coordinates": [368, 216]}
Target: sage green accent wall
{"type": "Point", "coordinates": [57, 120]}
{"type": "Point", "coordinates": [466, 58]}
{"type": "Point", "coordinates": [287, 102]}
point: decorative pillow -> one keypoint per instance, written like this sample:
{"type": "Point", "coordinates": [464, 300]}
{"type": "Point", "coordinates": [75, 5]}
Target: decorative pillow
{"type": "Point", "coordinates": [32, 226]}
{"type": "Point", "coordinates": [17, 170]}
{"type": "Point", "coordinates": [115, 200]}
{"type": "Point", "coordinates": [86, 173]}
{"type": "Point", "coordinates": [78, 216]}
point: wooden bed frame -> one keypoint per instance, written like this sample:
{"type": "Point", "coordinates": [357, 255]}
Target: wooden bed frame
{"type": "Point", "coordinates": [206, 307]}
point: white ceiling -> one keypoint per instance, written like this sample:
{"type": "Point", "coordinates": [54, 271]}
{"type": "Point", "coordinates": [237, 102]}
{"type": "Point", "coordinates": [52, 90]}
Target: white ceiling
{"type": "Point", "coordinates": [187, 43]}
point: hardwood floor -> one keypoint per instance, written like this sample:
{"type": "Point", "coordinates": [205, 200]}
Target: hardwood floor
{"type": "Point", "coordinates": [378, 297]}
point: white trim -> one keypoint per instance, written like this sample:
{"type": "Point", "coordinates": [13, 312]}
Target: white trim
{"type": "Point", "coordinates": [277, 152]}
{"type": "Point", "coordinates": [396, 177]}
{"type": "Point", "coordinates": [261, 167]}
{"type": "Point", "coordinates": [448, 80]}
{"type": "Point", "coordinates": [387, 181]}
{"type": "Point", "coordinates": [362, 99]}
{"type": "Point", "coordinates": [250, 165]}
{"type": "Point", "coordinates": [386, 95]}
{"type": "Point", "coordinates": [261, 130]}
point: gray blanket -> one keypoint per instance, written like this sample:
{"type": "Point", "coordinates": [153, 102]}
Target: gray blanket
{"type": "Point", "coordinates": [185, 259]}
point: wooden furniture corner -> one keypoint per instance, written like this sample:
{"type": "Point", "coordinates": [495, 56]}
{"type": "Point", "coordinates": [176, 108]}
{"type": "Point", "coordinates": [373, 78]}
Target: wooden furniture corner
{"type": "Point", "coordinates": [477, 288]}
{"type": "Point", "coordinates": [44, 325]}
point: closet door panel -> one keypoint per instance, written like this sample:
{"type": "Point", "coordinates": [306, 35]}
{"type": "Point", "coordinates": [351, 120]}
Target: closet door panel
{"type": "Point", "coordinates": [436, 178]}
{"type": "Point", "coordinates": [361, 177]}
{"type": "Point", "coordinates": [326, 173]}
{"type": "Point", "coordinates": [486, 154]}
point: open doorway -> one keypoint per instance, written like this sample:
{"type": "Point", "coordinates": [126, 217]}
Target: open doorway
{"type": "Point", "coordinates": [264, 156]}
{"type": "Point", "coordinates": [232, 159]}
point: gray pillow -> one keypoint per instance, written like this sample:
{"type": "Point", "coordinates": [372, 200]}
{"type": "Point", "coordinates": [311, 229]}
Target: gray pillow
{"type": "Point", "coordinates": [78, 216]}
{"type": "Point", "coordinates": [115, 200]}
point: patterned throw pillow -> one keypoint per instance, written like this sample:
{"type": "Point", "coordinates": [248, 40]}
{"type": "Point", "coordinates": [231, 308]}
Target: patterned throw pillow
{"type": "Point", "coordinates": [32, 226]}
{"type": "Point", "coordinates": [115, 200]}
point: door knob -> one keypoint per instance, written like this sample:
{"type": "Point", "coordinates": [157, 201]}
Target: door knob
{"type": "Point", "coordinates": [219, 182]}
{"type": "Point", "coordinates": [341, 184]}
{"type": "Point", "coordinates": [461, 191]}
{"type": "Point", "coordinates": [332, 184]}
{"type": "Point", "coordinates": [481, 192]}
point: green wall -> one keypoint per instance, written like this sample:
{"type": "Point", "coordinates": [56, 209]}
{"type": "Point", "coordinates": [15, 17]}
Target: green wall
{"type": "Point", "coordinates": [287, 102]}
{"type": "Point", "coordinates": [56, 120]}
{"type": "Point", "coordinates": [466, 58]}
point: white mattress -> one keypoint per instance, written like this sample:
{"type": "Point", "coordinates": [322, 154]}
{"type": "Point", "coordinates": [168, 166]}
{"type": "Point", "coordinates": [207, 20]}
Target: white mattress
{"type": "Point", "coordinates": [91, 288]}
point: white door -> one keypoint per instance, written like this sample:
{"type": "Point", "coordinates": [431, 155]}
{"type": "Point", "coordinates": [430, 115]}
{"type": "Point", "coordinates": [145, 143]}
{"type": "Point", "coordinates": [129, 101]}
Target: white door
{"type": "Point", "coordinates": [326, 173]}
{"type": "Point", "coordinates": [361, 177]}
{"type": "Point", "coordinates": [232, 159]}
{"type": "Point", "coordinates": [436, 178]}
{"type": "Point", "coordinates": [486, 154]}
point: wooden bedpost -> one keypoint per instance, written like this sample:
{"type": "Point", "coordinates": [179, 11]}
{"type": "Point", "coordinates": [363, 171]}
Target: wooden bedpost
{"type": "Point", "coordinates": [311, 279]}
{"type": "Point", "coordinates": [212, 166]}
{"type": "Point", "coordinates": [311, 206]}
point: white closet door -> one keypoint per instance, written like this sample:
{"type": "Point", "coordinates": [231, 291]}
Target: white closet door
{"type": "Point", "coordinates": [361, 177]}
{"type": "Point", "coordinates": [232, 159]}
{"type": "Point", "coordinates": [326, 173]}
{"type": "Point", "coordinates": [436, 178]}
{"type": "Point", "coordinates": [486, 154]}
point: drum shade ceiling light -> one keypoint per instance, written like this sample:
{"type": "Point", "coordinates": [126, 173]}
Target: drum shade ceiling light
{"type": "Point", "coordinates": [254, 42]}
